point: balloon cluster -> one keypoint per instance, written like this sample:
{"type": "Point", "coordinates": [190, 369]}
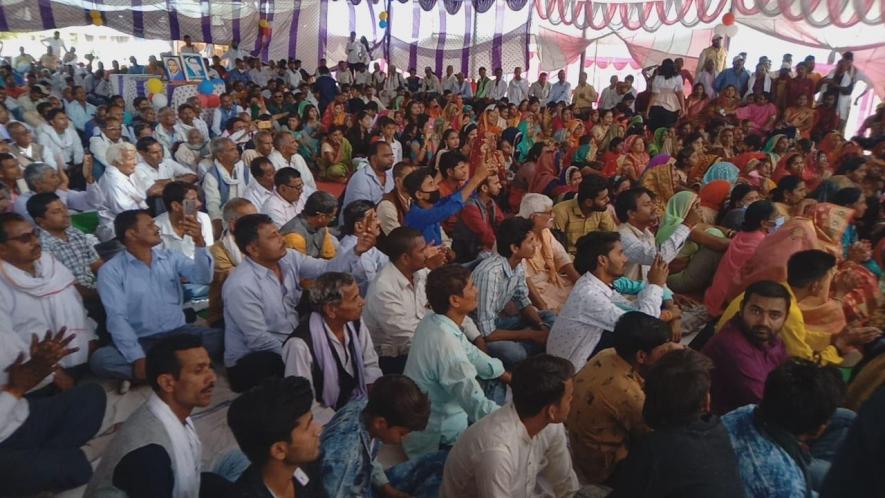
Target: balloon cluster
{"type": "Point", "coordinates": [728, 27]}
{"type": "Point", "coordinates": [156, 93]}
{"type": "Point", "coordinates": [384, 16]}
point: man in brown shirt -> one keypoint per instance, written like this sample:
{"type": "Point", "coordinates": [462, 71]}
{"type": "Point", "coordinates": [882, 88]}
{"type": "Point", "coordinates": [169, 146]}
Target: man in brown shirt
{"type": "Point", "coordinates": [606, 412]}
{"type": "Point", "coordinates": [226, 255]}
{"type": "Point", "coordinates": [585, 213]}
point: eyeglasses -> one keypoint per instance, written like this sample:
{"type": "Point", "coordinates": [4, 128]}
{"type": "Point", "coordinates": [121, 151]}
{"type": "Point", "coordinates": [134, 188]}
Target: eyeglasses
{"type": "Point", "coordinates": [23, 238]}
{"type": "Point", "coordinates": [299, 187]}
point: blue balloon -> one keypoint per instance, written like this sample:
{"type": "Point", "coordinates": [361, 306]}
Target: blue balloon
{"type": "Point", "coordinates": [382, 24]}
{"type": "Point", "coordinates": [217, 82]}
{"type": "Point", "coordinates": [206, 87]}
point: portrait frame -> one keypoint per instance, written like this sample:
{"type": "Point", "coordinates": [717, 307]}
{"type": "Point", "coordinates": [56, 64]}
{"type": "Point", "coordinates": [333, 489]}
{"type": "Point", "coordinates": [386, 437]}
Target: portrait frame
{"type": "Point", "coordinates": [194, 67]}
{"type": "Point", "coordinates": [169, 63]}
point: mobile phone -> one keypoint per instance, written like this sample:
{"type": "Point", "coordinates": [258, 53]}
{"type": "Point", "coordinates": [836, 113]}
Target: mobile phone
{"type": "Point", "coordinates": [190, 207]}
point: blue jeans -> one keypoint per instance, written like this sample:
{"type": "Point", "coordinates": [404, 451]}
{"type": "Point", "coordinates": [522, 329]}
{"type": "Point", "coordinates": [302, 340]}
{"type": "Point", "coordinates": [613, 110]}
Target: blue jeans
{"type": "Point", "coordinates": [420, 477]}
{"type": "Point", "coordinates": [512, 352]}
{"type": "Point", "coordinates": [107, 362]}
{"type": "Point", "coordinates": [824, 448]}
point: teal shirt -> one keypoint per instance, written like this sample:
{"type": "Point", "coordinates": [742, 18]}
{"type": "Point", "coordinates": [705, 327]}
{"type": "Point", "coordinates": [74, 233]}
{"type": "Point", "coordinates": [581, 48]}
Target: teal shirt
{"type": "Point", "coordinates": [445, 365]}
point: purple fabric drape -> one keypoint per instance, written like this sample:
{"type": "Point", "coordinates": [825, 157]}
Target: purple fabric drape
{"type": "Point", "coordinates": [351, 16]}
{"type": "Point", "coordinates": [293, 30]}
{"type": "Point", "coordinates": [453, 6]}
{"type": "Point", "coordinates": [137, 19]}
{"type": "Point", "coordinates": [265, 46]}
{"type": "Point", "coordinates": [174, 29]}
{"type": "Point", "coordinates": [206, 20]}
{"type": "Point", "coordinates": [416, 25]}
{"type": "Point", "coordinates": [3, 24]}
{"type": "Point", "coordinates": [499, 26]}
{"type": "Point", "coordinates": [324, 31]}
{"type": "Point", "coordinates": [235, 23]}
{"type": "Point", "coordinates": [46, 16]}
{"type": "Point", "coordinates": [441, 41]}
{"type": "Point", "coordinates": [468, 38]}
{"type": "Point", "coordinates": [483, 5]}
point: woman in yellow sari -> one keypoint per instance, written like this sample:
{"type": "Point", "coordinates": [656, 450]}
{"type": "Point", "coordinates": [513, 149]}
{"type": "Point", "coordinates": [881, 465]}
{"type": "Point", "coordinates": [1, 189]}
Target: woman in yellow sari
{"type": "Point", "coordinates": [549, 273]}
{"type": "Point", "coordinates": [800, 115]}
{"type": "Point", "coordinates": [660, 178]}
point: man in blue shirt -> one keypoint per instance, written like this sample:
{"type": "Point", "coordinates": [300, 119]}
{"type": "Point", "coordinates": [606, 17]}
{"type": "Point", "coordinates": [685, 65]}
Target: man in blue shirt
{"type": "Point", "coordinates": [142, 294]}
{"type": "Point", "coordinates": [372, 181]}
{"type": "Point", "coordinates": [326, 87]}
{"type": "Point", "coordinates": [735, 76]}
{"type": "Point", "coordinates": [500, 280]}
{"type": "Point", "coordinates": [239, 73]}
{"type": "Point", "coordinates": [428, 211]}
{"type": "Point", "coordinates": [351, 440]}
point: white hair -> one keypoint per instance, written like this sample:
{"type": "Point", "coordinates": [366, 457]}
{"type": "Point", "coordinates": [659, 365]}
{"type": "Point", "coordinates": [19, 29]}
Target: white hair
{"type": "Point", "coordinates": [116, 152]}
{"type": "Point", "coordinates": [534, 203]}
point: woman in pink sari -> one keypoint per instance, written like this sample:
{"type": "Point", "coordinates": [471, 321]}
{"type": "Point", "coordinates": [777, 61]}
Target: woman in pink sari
{"type": "Point", "coordinates": [758, 220]}
{"type": "Point", "coordinates": [761, 114]}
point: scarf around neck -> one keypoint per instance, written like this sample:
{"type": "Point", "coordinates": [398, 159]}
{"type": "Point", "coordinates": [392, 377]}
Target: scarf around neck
{"type": "Point", "coordinates": [319, 335]}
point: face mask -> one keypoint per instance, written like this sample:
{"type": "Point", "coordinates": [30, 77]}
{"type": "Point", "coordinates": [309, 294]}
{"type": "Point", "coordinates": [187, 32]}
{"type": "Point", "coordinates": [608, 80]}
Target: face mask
{"type": "Point", "coordinates": [434, 196]}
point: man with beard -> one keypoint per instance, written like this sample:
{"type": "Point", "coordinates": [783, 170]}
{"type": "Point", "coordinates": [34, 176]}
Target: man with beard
{"type": "Point", "coordinates": [372, 182]}
{"type": "Point", "coordinates": [749, 347]}
{"type": "Point", "coordinates": [587, 212]}
{"type": "Point", "coordinates": [594, 306]}
{"type": "Point", "coordinates": [157, 451]}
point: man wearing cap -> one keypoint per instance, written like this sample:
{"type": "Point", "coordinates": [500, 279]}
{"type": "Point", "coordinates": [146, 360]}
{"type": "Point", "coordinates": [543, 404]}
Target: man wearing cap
{"type": "Point", "coordinates": [716, 53]}
{"type": "Point", "coordinates": [735, 76]}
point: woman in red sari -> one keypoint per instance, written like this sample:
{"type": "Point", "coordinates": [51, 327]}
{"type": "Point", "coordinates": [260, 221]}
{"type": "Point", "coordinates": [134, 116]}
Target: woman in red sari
{"type": "Point", "coordinates": [801, 116]}
{"type": "Point", "coordinates": [791, 164]}
{"type": "Point", "coordinates": [696, 103]}
{"type": "Point", "coordinates": [635, 158]}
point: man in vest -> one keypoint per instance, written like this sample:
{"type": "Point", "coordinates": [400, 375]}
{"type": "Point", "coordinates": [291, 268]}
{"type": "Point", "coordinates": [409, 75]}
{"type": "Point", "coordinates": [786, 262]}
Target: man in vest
{"type": "Point", "coordinates": [226, 179]}
{"type": "Point", "coordinates": [157, 451]}
{"type": "Point", "coordinates": [474, 232]}
{"type": "Point", "coordinates": [24, 148]}
{"type": "Point", "coordinates": [331, 347]}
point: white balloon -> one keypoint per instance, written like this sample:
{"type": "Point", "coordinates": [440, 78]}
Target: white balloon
{"type": "Point", "coordinates": [159, 101]}
{"type": "Point", "coordinates": [720, 29]}
{"type": "Point", "coordinates": [732, 30]}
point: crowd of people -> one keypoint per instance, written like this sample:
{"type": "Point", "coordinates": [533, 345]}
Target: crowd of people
{"type": "Point", "coordinates": [531, 289]}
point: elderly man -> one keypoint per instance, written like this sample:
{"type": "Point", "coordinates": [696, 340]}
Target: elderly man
{"type": "Point", "coordinates": [266, 288]}
{"type": "Point", "coordinates": [111, 133]}
{"type": "Point", "coordinates": [24, 148]}
{"type": "Point", "coordinates": [165, 130]}
{"type": "Point", "coordinates": [333, 331]}
{"type": "Point", "coordinates": [285, 153]}
{"type": "Point", "coordinates": [41, 177]}
{"type": "Point", "coordinates": [226, 178]}
{"type": "Point", "coordinates": [188, 118]}
{"type": "Point", "coordinates": [308, 233]}
{"type": "Point", "coordinates": [263, 141]}
{"type": "Point", "coordinates": [154, 171]}
{"type": "Point", "coordinates": [226, 256]}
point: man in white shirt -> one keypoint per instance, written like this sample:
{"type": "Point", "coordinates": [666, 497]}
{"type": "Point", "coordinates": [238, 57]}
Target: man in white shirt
{"type": "Point", "coordinates": [44, 178]}
{"type": "Point", "coordinates": [25, 149]}
{"type": "Point", "coordinates": [594, 306]}
{"type": "Point", "coordinates": [260, 188]}
{"type": "Point", "coordinates": [40, 438]}
{"type": "Point", "coordinates": [343, 76]}
{"type": "Point", "coordinates": [188, 47]}
{"type": "Point", "coordinates": [259, 74]}
{"type": "Point", "coordinates": [498, 89]}
{"type": "Point", "coordinates": [165, 129]}
{"type": "Point", "coordinates": [388, 134]}
{"type": "Point", "coordinates": [60, 140]}
{"type": "Point", "coordinates": [637, 210]}
{"type": "Point", "coordinates": [430, 83]}
{"type": "Point", "coordinates": [179, 197]}
{"type": "Point", "coordinates": [288, 197]}
{"type": "Point", "coordinates": [463, 87]}
{"type": "Point", "coordinates": [396, 300]}
{"type": "Point", "coordinates": [263, 141]}
{"type": "Point", "coordinates": [449, 82]}
{"type": "Point", "coordinates": [286, 154]}
{"type": "Point", "coordinates": [230, 57]}
{"type": "Point", "coordinates": [540, 89]}
{"type": "Point", "coordinates": [226, 178]}
{"type": "Point", "coordinates": [78, 110]}
{"type": "Point", "coordinates": [560, 91]}
{"type": "Point", "coordinates": [111, 133]}
{"type": "Point", "coordinates": [354, 50]}
{"type": "Point", "coordinates": [154, 170]}
{"type": "Point", "coordinates": [188, 119]}
{"type": "Point", "coordinates": [333, 330]}
{"type": "Point", "coordinates": [609, 97]}
{"type": "Point", "coordinates": [56, 44]}
{"type": "Point", "coordinates": [38, 293]}
{"type": "Point", "coordinates": [518, 89]}
{"type": "Point", "coordinates": [161, 430]}
{"type": "Point", "coordinates": [503, 454]}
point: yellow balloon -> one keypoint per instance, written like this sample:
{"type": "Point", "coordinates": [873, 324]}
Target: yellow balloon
{"type": "Point", "coordinates": [383, 16]}
{"type": "Point", "coordinates": [263, 23]}
{"type": "Point", "coordinates": [96, 18]}
{"type": "Point", "coordinates": [154, 85]}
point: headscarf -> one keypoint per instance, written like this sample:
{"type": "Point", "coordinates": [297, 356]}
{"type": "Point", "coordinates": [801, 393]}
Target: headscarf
{"type": "Point", "coordinates": [678, 208]}
{"type": "Point", "coordinates": [714, 194]}
{"type": "Point", "coordinates": [658, 178]}
{"type": "Point", "coordinates": [722, 171]}
{"type": "Point", "coordinates": [639, 160]}
{"type": "Point", "coordinates": [829, 144]}
{"type": "Point", "coordinates": [513, 136]}
{"type": "Point", "coordinates": [743, 161]}
{"type": "Point", "coordinates": [657, 145]}
{"type": "Point", "coordinates": [772, 142]}
{"type": "Point", "coordinates": [781, 170]}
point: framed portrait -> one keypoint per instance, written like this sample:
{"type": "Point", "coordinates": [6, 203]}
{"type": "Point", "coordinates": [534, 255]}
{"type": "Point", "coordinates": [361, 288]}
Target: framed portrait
{"type": "Point", "coordinates": [174, 68]}
{"type": "Point", "coordinates": [194, 68]}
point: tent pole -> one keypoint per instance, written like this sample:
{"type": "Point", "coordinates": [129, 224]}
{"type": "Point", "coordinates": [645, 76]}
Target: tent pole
{"type": "Point", "coordinates": [583, 53]}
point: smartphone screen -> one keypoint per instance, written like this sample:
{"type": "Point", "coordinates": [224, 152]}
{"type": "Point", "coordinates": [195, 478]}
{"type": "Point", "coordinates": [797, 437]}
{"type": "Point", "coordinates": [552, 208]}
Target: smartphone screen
{"type": "Point", "coordinates": [190, 207]}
